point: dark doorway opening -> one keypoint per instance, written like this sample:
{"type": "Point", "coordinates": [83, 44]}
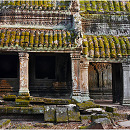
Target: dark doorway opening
{"type": "Point", "coordinates": [50, 75]}
{"type": "Point", "coordinates": [45, 67]}
{"type": "Point", "coordinates": [117, 82]}
{"type": "Point", "coordinates": [8, 66]}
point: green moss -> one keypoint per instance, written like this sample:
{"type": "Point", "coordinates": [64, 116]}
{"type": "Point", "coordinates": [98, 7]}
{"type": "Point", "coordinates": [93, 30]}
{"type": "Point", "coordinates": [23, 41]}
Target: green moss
{"type": "Point", "coordinates": [88, 6]}
{"type": "Point", "coordinates": [86, 105]}
{"type": "Point", "coordinates": [127, 44]}
{"type": "Point", "coordinates": [118, 48]}
{"type": "Point", "coordinates": [106, 46]}
{"type": "Point", "coordinates": [111, 5]}
{"type": "Point", "coordinates": [101, 45]}
{"type": "Point", "coordinates": [97, 116]}
{"type": "Point", "coordinates": [93, 3]}
{"type": "Point", "coordinates": [116, 5]}
{"type": "Point", "coordinates": [6, 122]}
{"type": "Point", "coordinates": [9, 97]}
{"type": "Point", "coordinates": [83, 127]}
{"type": "Point", "coordinates": [99, 6]}
{"type": "Point", "coordinates": [111, 109]}
{"type": "Point", "coordinates": [112, 46]}
{"type": "Point", "coordinates": [105, 5]}
{"type": "Point", "coordinates": [123, 46]}
{"type": "Point", "coordinates": [128, 6]}
{"type": "Point", "coordinates": [56, 101]}
{"type": "Point", "coordinates": [21, 102]}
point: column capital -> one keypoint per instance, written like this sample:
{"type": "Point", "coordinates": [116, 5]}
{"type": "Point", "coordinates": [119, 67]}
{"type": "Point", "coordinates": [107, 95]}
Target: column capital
{"type": "Point", "coordinates": [75, 56]}
{"type": "Point", "coordinates": [84, 64]}
{"type": "Point", "coordinates": [23, 55]}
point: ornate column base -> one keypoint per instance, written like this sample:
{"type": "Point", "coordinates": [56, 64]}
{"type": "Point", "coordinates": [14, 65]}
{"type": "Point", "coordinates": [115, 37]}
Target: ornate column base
{"type": "Point", "coordinates": [23, 92]}
{"type": "Point", "coordinates": [85, 96]}
{"type": "Point", "coordinates": [76, 95]}
{"type": "Point", "coordinates": [126, 102]}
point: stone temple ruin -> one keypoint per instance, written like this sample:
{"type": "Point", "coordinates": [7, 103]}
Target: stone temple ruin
{"type": "Point", "coordinates": [65, 49]}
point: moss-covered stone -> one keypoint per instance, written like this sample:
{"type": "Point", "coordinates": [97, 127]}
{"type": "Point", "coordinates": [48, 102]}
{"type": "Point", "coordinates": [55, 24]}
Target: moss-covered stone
{"type": "Point", "coordinates": [23, 97]}
{"type": "Point", "coordinates": [26, 110]}
{"type": "Point", "coordinates": [111, 109]}
{"type": "Point", "coordinates": [73, 113]}
{"type": "Point", "coordinates": [21, 103]}
{"type": "Point", "coordinates": [3, 110]}
{"type": "Point", "coordinates": [4, 123]}
{"type": "Point", "coordinates": [61, 114]}
{"type": "Point", "coordinates": [97, 116]}
{"type": "Point", "coordinates": [50, 113]}
{"type": "Point", "coordinates": [86, 105]}
{"type": "Point", "coordinates": [9, 97]}
{"type": "Point", "coordinates": [56, 101]}
{"type": "Point", "coordinates": [38, 110]}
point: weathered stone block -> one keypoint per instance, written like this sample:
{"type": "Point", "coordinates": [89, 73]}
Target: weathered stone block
{"type": "Point", "coordinates": [86, 105]}
{"type": "Point", "coordinates": [38, 110]}
{"type": "Point", "coordinates": [101, 123]}
{"type": "Point", "coordinates": [26, 110]}
{"type": "Point", "coordinates": [97, 116]}
{"type": "Point", "coordinates": [9, 97]}
{"type": "Point", "coordinates": [21, 103]}
{"type": "Point", "coordinates": [13, 110]}
{"type": "Point", "coordinates": [50, 113]}
{"type": "Point", "coordinates": [4, 123]}
{"type": "Point", "coordinates": [61, 114]}
{"type": "Point", "coordinates": [3, 110]}
{"type": "Point", "coordinates": [111, 109]}
{"type": "Point", "coordinates": [73, 113]}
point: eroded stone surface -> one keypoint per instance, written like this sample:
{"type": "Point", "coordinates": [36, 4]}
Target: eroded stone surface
{"type": "Point", "coordinates": [61, 114]}
{"type": "Point", "coordinates": [49, 113]}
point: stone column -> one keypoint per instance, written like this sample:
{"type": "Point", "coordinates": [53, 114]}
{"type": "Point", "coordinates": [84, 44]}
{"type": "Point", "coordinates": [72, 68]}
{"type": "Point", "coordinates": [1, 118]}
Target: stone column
{"type": "Point", "coordinates": [23, 83]}
{"type": "Point", "coordinates": [84, 80]}
{"type": "Point", "coordinates": [75, 64]}
{"type": "Point", "coordinates": [126, 84]}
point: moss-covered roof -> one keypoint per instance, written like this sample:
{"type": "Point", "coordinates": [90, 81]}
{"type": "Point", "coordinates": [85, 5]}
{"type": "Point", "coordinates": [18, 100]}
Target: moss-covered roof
{"type": "Point", "coordinates": [104, 6]}
{"type": "Point", "coordinates": [105, 46]}
{"type": "Point", "coordinates": [37, 4]}
{"type": "Point", "coordinates": [35, 38]}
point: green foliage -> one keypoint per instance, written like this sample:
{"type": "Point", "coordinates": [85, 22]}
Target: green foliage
{"type": "Point", "coordinates": [111, 6]}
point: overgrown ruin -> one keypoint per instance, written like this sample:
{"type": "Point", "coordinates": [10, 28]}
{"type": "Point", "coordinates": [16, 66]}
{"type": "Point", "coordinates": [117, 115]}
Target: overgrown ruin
{"type": "Point", "coordinates": [70, 50]}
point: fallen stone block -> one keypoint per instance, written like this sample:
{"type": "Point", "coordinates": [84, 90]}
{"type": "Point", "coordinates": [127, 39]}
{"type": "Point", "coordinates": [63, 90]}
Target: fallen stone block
{"type": "Point", "coordinates": [124, 123]}
{"type": "Point", "coordinates": [73, 113]}
{"type": "Point", "coordinates": [4, 123]}
{"type": "Point", "coordinates": [97, 116]}
{"type": "Point", "coordinates": [50, 113]}
{"type": "Point", "coordinates": [94, 110]}
{"type": "Point", "coordinates": [111, 109]}
{"type": "Point", "coordinates": [101, 123]}
{"type": "Point", "coordinates": [38, 110]}
{"type": "Point", "coordinates": [87, 105]}
{"type": "Point", "coordinates": [61, 114]}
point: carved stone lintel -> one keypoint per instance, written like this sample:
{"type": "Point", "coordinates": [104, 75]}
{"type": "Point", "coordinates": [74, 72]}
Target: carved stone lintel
{"type": "Point", "coordinates": [126, 83]}
{"type": "Point", "coordinates": [23, 84]}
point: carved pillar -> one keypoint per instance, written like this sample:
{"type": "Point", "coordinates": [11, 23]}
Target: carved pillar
{"type": "Point", "coordinates": [75, 64]}
{"type": "Point", "coordinates": [23, 86]}
{"type": "Point", "coordinates": [126, 83]}
{"type": "Point", "coordinates": [84, 80]}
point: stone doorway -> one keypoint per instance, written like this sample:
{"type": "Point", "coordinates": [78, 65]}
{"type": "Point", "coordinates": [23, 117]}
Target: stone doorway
{"type": "Point", "coordinates": [105, 82]}
{"type": "Point", "coordinates": [117, 82]}
{"type": "Point", "coordinates": [9, 73]}
{"type": "Point", "coordinates": [100, 81]}
{"type": "Point", "coordinates": [50, 75]}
